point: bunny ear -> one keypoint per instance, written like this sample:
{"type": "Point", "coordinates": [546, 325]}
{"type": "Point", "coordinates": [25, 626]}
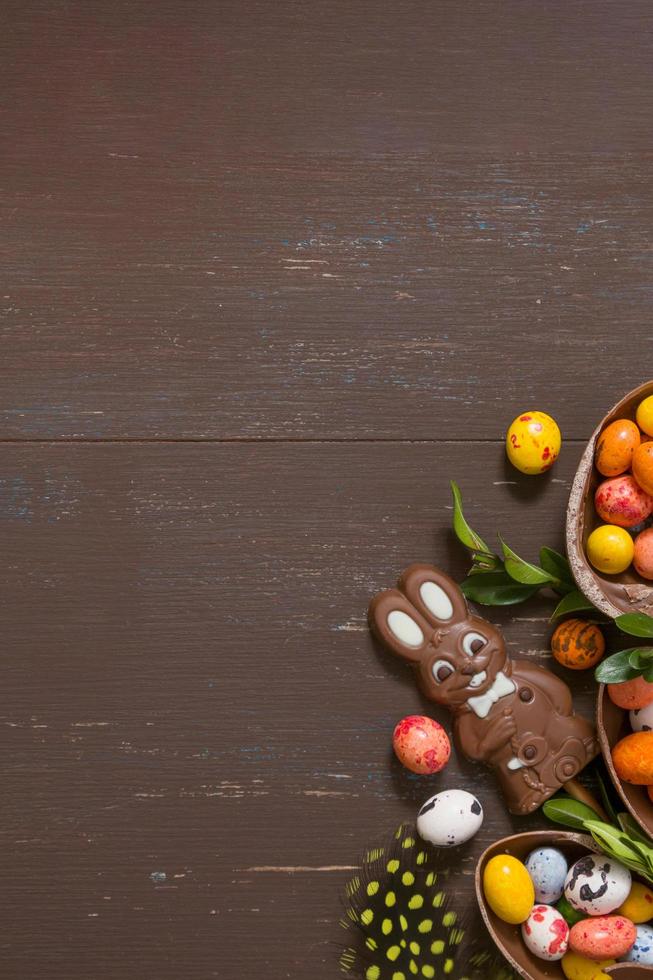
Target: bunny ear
{"type": "Point", "coordinates": [398, 625]}
{"type": "Point", "coordinates": [436, 596]}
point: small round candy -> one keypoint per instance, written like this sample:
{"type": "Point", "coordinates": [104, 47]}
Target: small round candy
{"type": "Point", "coordinates": [644, 415]}
{"type": "Point", "coordinates": [643, 466]}
{"type": "Point", "coordinates": [450, 818]}
{"type": "Point", "coordinates": [641, 719]}
{"type": "Point", "coordinates": [545, 933]}
{"type": "Point", "coordinates": [643, 556]}
{"type": "Point", "coordinates": [642, 949]}
{"type": "Point", "coordinates": [622, 501]}
{"type": "Point", "coordinates": [548, 868]}
{"type": "Point", "coordinates": [638, 907]}
{"type": "Point", "coordinates": [533, 442]}
{"type": "Point", "coordinates": [577, 967]}
{"type": "Point", "coordinates": [577, 644]}
{"type": "Point", "coordinates": [610, 549]}
{"type": "Point", "coordinates": [508, 889]}
{"type": "Point", "coordinates": [421, 744]}
{"type": "Point", "coordinates": [615, 447]}
{"type": "Point", "coordinates": [606, 936]}
{"type": "Point", "coordinates": [568, 912]}
{"type": "Point", "coordinates": [629, 695]}
{"type": "Point", "coordinates": [597, 885]}
{"type": "Point", "coordinates": [632, 758]}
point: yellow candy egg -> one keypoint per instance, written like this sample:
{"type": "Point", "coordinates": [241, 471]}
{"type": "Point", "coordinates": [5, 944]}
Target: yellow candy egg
{"type": "Point", "coordinates": [610, 549]}
{"type": "Point", "coordinates": [577, 967]}
{"type": "Point", "coordinates": [508, 889]}
{"type": "Point", "coordinates": [638, 907]}
{"type": "Point", "coordinates": [644, 415]}
{"type": "Point", "coordinates": [533, 442]}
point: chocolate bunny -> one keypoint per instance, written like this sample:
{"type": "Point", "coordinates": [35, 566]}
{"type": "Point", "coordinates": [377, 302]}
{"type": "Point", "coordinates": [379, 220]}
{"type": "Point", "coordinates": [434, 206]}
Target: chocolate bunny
{"type": "Point", "coordinates": [514, 716]}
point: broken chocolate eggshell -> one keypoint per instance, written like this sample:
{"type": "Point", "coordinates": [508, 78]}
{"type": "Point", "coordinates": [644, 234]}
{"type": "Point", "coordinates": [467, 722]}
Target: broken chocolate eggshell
{"type": "Point", "coordinates": [613, 724]}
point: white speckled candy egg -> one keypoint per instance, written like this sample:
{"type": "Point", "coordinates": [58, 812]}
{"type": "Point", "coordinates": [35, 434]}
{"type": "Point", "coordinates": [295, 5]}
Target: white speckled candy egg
{"type": "Point", "coordinates": [641, 719]}
{"type": "Point", "coordinates": [548, 868]}
{"type": "Point", "coordinates": [597, 885]}
{"type": "Point", "coordinates": [545, 933]}
{"type": "Point", "coordinates": [642, 950]}
{"type": "Point", "coordinates": [450, 818]}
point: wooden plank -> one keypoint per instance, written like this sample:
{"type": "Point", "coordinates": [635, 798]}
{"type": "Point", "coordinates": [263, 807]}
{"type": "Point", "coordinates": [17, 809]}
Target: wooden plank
{"type": "Point", "coordinates": [197, 724]}
{"type": "Point", "coordinates": [255, 220]}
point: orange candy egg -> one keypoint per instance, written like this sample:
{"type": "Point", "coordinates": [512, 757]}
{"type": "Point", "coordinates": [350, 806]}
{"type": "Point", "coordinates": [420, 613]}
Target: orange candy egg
{"type": "Point", "coordinates": [631, 695]}
{"type": "Point", "coordinates": [632, 758]}
{"type": "Point", "coordinates": [615, 447]}
{"type": "Point", "coordinates": [577, 644]}
{"type": "Point", "coordinates": [643, 466]}
{"type": "Point", "coordinates": [643, 556]}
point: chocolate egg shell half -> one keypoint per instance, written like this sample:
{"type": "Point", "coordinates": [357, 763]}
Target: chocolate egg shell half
{"type": "Point", "coordinates": [612, 594]}
{"type": "Point", "coordinates": [629, 971]}
{"type": "Point", "coordinates": [612, 724]}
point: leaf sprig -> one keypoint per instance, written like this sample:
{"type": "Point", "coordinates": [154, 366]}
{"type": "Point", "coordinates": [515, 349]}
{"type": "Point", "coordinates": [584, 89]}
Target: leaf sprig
{"type": "Point", "coordinates": [634, 662]}
{"type": "Point", "coordinates": [625, 842]}
{"type": "Point", "coordinates": [506, 579]}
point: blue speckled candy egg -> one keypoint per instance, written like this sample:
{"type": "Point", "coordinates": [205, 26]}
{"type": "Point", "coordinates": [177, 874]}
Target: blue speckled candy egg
{"type": "Point", "coordinates": [642, 950]}
{"type": "Point", "coordinates": [548, 868]}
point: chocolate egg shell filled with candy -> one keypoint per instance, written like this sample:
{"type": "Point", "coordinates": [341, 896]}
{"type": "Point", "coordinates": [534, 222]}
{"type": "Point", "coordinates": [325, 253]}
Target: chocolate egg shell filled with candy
{"type": "Point", "coordinates": [514, 716]}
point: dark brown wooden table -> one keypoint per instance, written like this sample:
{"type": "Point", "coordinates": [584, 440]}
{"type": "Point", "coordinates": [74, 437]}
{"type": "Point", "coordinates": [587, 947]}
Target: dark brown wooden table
{"type": "Point", "coordinates": [273, 274]}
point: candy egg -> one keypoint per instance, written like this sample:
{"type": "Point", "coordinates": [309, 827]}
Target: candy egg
{"type": "Point", "coordinates": [615, 447]}
{"type": "Point", "coordinates": [636, 693]}
{"type": "Point", "coordinates": [450, 818]}
{"type": "Point", "coordinates": [533, 442]}
{"type": "Point", "coordinates": [641, 719]}
{"type": "Point", "coordinates": [508, 888]}
{"type": "Point", "coordinates": [577, 644]}
{"type": "Point", "coordinates": [622, 501]}
{"type": "Point", "coordinates": [610, 549]}
{"type": "Point", "coordinates": [643, 466]}
{"type": "Point", "coordinates": [548, 868]}
{"type": "Point", "coordinates": [545, 933]}
{"type": "Point", "coordinates": [568, 912]}
{"type": "Point", "coordinates": [638, 907]}
{"type": "Point", "coordinates": [608, 936]}
{"type": "Point", "coordinates": [421, 744]}
{"type": "Point", "coordinates": [632, 758]}
{"type": "Point", "coordinates": [577, 967]}
{"type": "Point", "coordinates": [643, 556]}
{"type": "Point", "coordinates": [597, 884]}
{"type": "Point", "coordinates": [642, 949]}
{"type": "Point", "coordinates": [644, 415]}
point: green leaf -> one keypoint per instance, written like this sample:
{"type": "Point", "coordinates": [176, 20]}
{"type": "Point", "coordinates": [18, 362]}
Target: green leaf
{"type": "Point", "coordinates": [630, 826]}
{"type": "Point", "coordinates": [616, 669]}
{"type": "Point", "coordinates": [613, 840]}
{"type": "Point", "coordinates": [605, 796]}
{"type": "Point", "coordinates": [640, 657]}
{"type": "Point", "coordinates": [495, 589]}
{"type": "Point", "coordinates": [636, 624]}
{"type": "Point", "coordinates": [465, 534]}
{"type": "Point", "coordinates": [569, 812]}
{"type": "Point", "coordinates": [522, 571]}
{"type": "Point", "coordinates": [573, 602]}
{"type": "Point", "coordinates": [648, 675]}
{"type": "Point", "coordinates": [557, 565]}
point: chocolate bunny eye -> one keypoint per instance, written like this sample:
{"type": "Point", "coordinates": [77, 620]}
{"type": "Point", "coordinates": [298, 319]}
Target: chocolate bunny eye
{"type": "Point", "coordinates": [441, 669]}
{"type": "Point", "coordinates": [473, 643]}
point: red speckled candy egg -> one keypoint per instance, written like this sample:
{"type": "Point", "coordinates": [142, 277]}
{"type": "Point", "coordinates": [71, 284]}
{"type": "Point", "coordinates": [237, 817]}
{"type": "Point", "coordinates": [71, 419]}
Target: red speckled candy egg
{"type": "Point", "coordinates": [421, 745]}
{"type": "Point", "coordinates": [622, 501]}
{"type": "Point", "coordinates": [606, 936]}
{"type": "Point", "coordinates": [545, 933]}
{"type": "Point", "coordinates": [643, 557]}
{"type": "Point", "coordinates": [631, 695]}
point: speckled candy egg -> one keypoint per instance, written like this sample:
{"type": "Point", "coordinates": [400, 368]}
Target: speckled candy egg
{"type": "Point", "coordinates": [622, 501]}
{"type": "Point", "coordinates": [597, 885]}
{"type": "Point", "coordinates": [615, 447]}
{"type": "Point", "coordinates": [545, 933]}
{"type": "Point", "coordinates": [421, 744]}
{"type": "Point", "coordinates": [642, 949]}
{"type": "Point", "coordinates": [450, 818]}
{"type": "Point", "coordinates": [632, 758]}
{"type": "Point", "coordinates": [533, 442]}
{"type": "Point", "coordinates": [577, 967]}
{"type": "Point", "coordinates": [608, 936]}
{"type": "Point", "coordinates": [508, 888]}
{"type": "Point", "coordinates": [548, 868]}
{"type": "Point", "coordinates": [641, 719]}
{"type": "Point", "coordinates": [636, 693]}
{"type": "Point", "coordinates": [643, 466]}
{"type": "Point", "coordinates": [643, 554]}
{"type": "Point", "coordinates": [638, 907]}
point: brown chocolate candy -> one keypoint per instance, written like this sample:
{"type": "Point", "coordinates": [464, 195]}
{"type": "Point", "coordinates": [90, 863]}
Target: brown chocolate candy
{"type": "Point", "coordinates": [514, 716]}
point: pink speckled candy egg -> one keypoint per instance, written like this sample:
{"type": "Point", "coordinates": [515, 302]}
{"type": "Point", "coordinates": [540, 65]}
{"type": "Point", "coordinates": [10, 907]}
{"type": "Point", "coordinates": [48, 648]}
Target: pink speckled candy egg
{"type": "Point", "coordinates": [622, 501]}
{"type": "Point", "coordinates": [607, 936]}
{"type": "Point", "coordinates": [643, 557]}
{"type": "Point", "coordinates": [421, 745]}
{"type": "Point", "coordinates": [545, 933]}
